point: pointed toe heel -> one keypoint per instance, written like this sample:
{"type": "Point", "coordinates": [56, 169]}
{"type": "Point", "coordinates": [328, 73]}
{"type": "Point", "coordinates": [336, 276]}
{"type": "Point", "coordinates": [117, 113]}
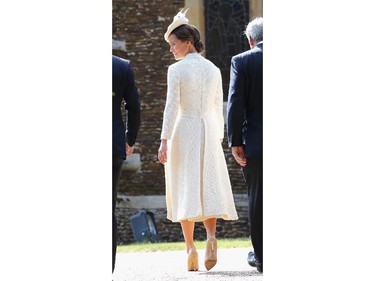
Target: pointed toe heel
{"type": "Point", "coordinates": [211, 253]}
{"type": "Point", "coordinates": [192, 263]}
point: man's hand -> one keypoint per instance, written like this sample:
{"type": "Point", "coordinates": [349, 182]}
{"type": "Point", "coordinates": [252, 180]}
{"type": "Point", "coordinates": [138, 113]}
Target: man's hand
{"type": "Point", "coordinates": [239, 154]}
{"type": "Point", "coordinates": [129, 149]}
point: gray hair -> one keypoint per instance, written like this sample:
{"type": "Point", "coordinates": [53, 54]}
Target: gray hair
{"type": "Point", "coordinates": [255, 29]}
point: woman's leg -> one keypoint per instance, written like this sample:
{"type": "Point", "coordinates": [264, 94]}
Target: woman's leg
{"type": "Point", "coordinates": [188, 231]}
{"type": "Point", "coordinates": [210, 226]}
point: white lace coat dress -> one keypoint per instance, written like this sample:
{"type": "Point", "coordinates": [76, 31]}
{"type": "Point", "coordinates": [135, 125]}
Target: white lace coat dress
{"type": "Point", "coordinates": [197, 180]}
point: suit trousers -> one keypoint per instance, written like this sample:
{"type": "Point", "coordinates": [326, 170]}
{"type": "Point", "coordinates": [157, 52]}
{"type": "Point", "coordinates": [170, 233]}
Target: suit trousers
{"type": "Point", "coordinates": [253, 174]}
{"type": "Point", "coordinates": [116, 172]}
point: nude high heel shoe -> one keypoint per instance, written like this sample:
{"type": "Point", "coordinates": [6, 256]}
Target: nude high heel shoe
{"type": "Point", "coordinates": [192, 263]}
{"type": "Point", "coordinates": [211, 253]}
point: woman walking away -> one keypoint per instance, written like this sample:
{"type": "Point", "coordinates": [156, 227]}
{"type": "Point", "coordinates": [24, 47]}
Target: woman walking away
{"type": "Point", "coordinates": [198, 188]}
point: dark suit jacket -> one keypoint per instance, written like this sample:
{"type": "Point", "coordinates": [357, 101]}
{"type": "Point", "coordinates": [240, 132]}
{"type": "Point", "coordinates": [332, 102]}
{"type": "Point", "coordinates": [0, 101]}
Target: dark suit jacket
{"type": "Point", "coordinates": [245, 102]}
{"type": "Point", "coordinates": [124, 89]}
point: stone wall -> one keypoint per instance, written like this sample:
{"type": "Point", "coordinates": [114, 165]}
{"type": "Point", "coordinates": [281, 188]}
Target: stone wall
{"type": "Point", "coordinates": [171, 232]}
{"type": "Point", "coordinates": [168, 231]}
{"type": "Point", "coordinates": [138, 35]}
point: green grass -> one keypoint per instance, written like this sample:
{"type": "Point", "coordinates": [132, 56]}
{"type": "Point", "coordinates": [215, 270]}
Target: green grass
{"type": "Point", "coordinates": [174, 246]}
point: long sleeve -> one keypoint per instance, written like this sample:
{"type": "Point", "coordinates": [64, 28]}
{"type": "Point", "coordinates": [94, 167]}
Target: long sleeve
{"type": "Point", "coordinates": [219, 106]}
{"type": "Point", "coordinates": [172, 103]}
{"type": "Point", "coordinates": [124, 91]}
{"type": "Point", "coordinates": [133, 108]}
{"type": "Point", "coordinates": [236, 104]}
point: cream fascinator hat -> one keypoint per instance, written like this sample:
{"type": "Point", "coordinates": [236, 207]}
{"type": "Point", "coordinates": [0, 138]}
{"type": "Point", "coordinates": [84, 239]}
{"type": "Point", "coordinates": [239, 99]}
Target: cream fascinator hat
{"type": "Point", "coordinates": [179, 19]}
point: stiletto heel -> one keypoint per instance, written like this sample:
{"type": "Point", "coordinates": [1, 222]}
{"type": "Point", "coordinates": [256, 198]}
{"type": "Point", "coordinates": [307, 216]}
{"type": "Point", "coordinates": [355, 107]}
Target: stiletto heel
{"type": "Point", "coordinates": [211, 253]}
{"type": "Point", "coordinates": [192, 263]}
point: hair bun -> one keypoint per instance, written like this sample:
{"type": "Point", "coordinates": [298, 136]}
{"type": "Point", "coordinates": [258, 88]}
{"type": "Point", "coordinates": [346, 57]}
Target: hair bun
{"type": "Point", "coordinates": [198, 45]}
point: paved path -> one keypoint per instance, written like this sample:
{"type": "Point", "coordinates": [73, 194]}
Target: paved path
{"type": "Point", "coordinates": [171, 265]}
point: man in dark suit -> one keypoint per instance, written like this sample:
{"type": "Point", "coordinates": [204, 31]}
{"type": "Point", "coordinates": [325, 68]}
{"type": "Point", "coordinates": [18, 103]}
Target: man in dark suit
{"type": "Point", "coordinates": [123, 137]}
{"type": "Point", "coordinates": [245, 129]}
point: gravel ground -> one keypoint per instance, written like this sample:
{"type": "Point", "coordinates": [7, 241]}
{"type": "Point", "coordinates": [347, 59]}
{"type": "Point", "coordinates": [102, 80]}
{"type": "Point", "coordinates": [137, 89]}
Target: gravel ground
{"type": "Point", "coordinates": [172, 265]}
